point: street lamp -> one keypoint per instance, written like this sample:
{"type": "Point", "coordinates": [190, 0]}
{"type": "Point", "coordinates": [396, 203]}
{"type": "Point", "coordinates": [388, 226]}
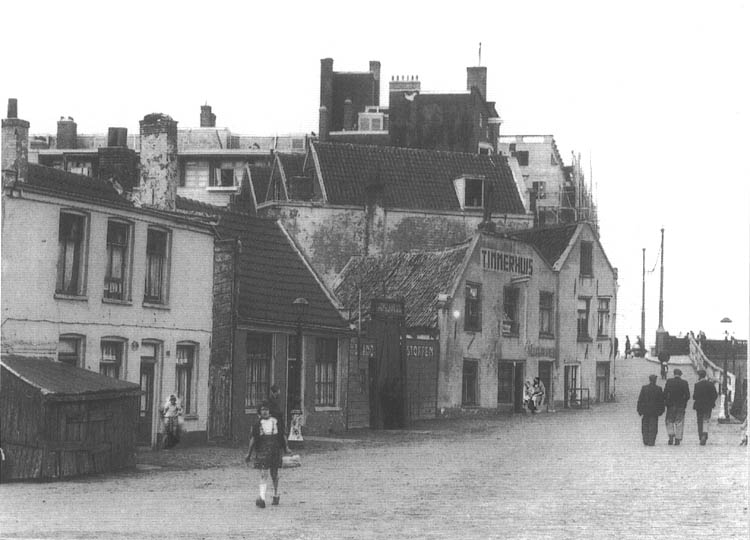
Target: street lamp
{"type": "Point", "coordinates": [294, 382]}
{"type": "Point", "coordinates": [726, 320]}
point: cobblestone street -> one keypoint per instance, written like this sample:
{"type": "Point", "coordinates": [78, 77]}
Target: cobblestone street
{"type": "Point", "coordinates": [570, 474]}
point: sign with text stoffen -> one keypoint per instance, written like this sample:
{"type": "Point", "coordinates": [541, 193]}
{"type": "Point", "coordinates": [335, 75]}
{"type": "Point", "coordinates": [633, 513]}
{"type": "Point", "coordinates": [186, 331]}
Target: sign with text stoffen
{"type": "Point", "coordinates": [499, 261]}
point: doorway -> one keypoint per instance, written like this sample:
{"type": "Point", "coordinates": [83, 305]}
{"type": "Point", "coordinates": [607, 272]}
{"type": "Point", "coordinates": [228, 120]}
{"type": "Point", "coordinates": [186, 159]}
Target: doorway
{"type": "Point", "coordinates": [602, 381]}
{"type": "Point", "coordinates": [545, 375]}
{"type": "Point", "coordinates": [510, 384]}
{"type": "Point", "coordinates": [571, 386]}
{"type": "Point", "coordinates": [146, 413]}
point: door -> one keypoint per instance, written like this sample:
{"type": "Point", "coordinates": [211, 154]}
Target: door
{"type": "Point", "coordinates": [469, 384]}
{"type": "Point", "coordinates": [146, 413]}
{"type": "Point", "coordinates": [518, 386]}
{"type": "Point", "coordinates": [293, 377]}
{"type": "Point", "coordinates": [602, 381]}
{"type": "Point", "coordinates": [571, 386]}
{"type": "Point", "coordinates": [545, 375]}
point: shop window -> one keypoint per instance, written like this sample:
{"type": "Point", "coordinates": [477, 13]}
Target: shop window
{"type": "Point", "coordinates": [184, 375]}
{"type": "Point", "coordinates": [111, 357]}
{"type": "Point", "coordinates": [472, 313]}
{"type": "Point", "coordinates": [71, 254]}
{"type": "Point", "coordinates": [258, 381]}
{"type": "Point", "coordinates": [157, 255]}
{"type": "Point", "coordinates": [511, 324]}
{"type": "Point", "coordinates": [602, 327]}
{"type": "Point", "coordinates": [587, 263]}
{"type": "Point", "coordinates": [583, 319]}
{"type": "Point", "coordinates": [546, 308]}
{"type": "Point", "coordinates": [326, 362]}
{"type": "Point", "coordinates": [70, 349]}
{"type": "Point", "coordinates": [116, 276]}
{"type": "Point", "coordinates": [469, 383]}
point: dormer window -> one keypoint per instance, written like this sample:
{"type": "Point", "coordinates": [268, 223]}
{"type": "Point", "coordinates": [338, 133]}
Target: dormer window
{"type": "Point", "coordinates": [470, 192]}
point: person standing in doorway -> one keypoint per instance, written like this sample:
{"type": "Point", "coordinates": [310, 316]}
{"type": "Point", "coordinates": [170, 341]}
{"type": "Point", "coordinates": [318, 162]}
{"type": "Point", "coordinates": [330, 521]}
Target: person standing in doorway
{"type": "Point", "coordinates": [538, 392]}
{"type": "Point", "coordinates": [264, 441]}
{"type": "Point", "coordinates": [676, 396]}
{"type": "Point", "coordinates": [704, 395]}
{"type": "Point", "coordinates": [627, 346]}
{"type": "Point", "coordinates": [650, 407]}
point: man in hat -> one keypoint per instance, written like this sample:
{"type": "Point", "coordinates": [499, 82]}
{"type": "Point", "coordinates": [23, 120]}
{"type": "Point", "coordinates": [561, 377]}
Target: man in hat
{"type": "Point", "coordinates": [704, 395]}
{"type": "Point", "coordinates": [650, 407]}
{"type": "Point", "coordinates": [676, 396]}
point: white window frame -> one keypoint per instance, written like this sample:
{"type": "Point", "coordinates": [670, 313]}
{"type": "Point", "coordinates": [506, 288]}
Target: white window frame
{"type": "Point", "coordinates": [62, 252]}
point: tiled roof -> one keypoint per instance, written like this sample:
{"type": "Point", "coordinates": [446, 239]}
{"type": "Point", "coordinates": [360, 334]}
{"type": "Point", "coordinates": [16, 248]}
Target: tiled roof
{"type": "Point", "coordinates": [550, 241]}
{"type": "Point", "coordinates": [261, 176]}
{"type": "Point", "coordinates": [63, 183]}
{"type": "Point", "coordinates": [416, 276]}
{"type": "Point", "coordinates": [413, 178]}
{"type": "Point", "coordinates": [273, 273]}
{"type": "Point", "coordinates": [59, 379]}
{"type": "Point", "coordinates": [292, 164]}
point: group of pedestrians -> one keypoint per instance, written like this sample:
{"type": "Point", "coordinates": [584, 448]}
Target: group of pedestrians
{"type": "Point", "coordinates": [653, 402]}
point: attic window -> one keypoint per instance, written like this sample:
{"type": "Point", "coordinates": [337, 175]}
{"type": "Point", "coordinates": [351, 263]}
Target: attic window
{"type": "Point", "coordinates": [523, 158]}
{"type": "Point", "coordinates": [474, 193]}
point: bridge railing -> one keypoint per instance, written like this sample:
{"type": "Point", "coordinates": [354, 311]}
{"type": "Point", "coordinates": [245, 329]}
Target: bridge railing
{"type": "Point", "coordinates": [714, 372]}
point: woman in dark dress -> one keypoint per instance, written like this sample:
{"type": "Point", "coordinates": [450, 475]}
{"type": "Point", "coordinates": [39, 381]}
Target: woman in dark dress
{"type": "Point", "coordinates": [265, 442]}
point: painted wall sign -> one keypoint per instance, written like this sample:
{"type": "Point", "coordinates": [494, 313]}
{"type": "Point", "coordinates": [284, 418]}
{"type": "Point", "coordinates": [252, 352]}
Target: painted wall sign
{"type": "Point", "coordinates": [387, 308]}
{"type": "Point", "coordinates": [420, 350]}
{"type": "Point", "coordinates": [537, 350]}
{"type": "Point", "coordinates": [499, 261]}
{"type": "Point", "coordinates": [368, 349]}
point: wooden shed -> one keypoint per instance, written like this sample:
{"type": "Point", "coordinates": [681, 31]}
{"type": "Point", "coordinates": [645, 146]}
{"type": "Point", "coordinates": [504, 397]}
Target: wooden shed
{"type": "Point", "coordinates": [58, 421]}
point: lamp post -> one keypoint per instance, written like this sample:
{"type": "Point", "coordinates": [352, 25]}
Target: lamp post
{"type": "Point", "coordinates": [724, 389]}
{"type": "Point", "coordinates": [295, 373]}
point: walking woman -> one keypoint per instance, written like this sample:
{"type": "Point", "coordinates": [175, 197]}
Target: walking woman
{"type": "Point", "coordinates": [265, 442]}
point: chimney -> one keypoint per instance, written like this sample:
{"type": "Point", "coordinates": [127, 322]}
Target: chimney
{"type": "Point", "coordinates": [117, 162]}
{"type": "Point", "coordinates": [159, 169]}
{"type": "Point", "coordinates": [208, 119]}
{"type": "Point", "coordinates": [323, 123]}
{"type": "Point", "coordinates": [348, 114]}
{"type": "Point", "coordinates": [404, 83]}
{"type": "Point", "coordinates": [67, 133]}
{"type": "Point", "coordinates": [326, 96]}
{"type": "Point", "coordinates": [375, 70]}
{"type": "Point", "coordinates": [476, 77]}
{"type": "Point", "coordinates": [15, 145]}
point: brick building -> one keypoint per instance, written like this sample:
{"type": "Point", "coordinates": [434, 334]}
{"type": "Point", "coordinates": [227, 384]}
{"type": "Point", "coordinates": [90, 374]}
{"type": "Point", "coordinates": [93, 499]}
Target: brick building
{"type": "Point", "coordinates": [343, 200]}
{"type": "Point", "coordinates": [496, 311]}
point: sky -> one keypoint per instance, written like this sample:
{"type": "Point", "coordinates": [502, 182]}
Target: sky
{"type": "Point", "coordinates": [653, 95]}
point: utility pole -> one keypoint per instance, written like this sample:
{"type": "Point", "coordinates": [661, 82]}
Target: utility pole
{"type": "Point", "coordinates": [661, 287]}
{"type": "Point", "coordinates": [643, 301]}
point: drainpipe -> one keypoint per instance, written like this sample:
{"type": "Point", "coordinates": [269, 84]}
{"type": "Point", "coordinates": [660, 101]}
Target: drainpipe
{"type": "Point", "coordinates": [556, 363]}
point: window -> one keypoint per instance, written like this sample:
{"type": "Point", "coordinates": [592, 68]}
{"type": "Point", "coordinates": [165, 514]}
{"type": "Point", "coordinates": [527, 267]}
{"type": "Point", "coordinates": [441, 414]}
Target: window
{"type": "Point", "coordinates": [115, 279]}
{"type": "Point", "coordinates": [70, 350]}
{"type": "Point", "coordinates": [469, 383]}
{"type": "Point", "coordinates": [472, 313]}
{"type": "Point", "coordinates": [602, 326]}
{"type": "Point", "coordinates": [473, 195]}
{"type": "Point", "coordinates": [258, 381]}
{"type": "Point", "coordinates": [185, 362]}
{"type": "Point", "coordinates": [523, 158]}
{"type": "Point", "coordinates": [510, 311]}
{"type": "Point", "coordinates": [376, 124]}
{"type": "Point", "coordinates": [195, 174]}
{"type": "Point", "coordinates": [540, 188]}
{"type": "Point", "coordinates": [583, 318]}
{"type": "Point", "coordinates": [586, 259]}
{"type": "Point", "coordinates": [545, 313]}
{"type": "Point", "coordinates": [156, 266]}
{"type": "Point", "coordinates": [226, 174]}
{"type": "Point", "coordinates": [70, 263]}
{"type": "Point", "coordinates": [111, 359]}
{"type": "Point", "coordinates": [326, 361]}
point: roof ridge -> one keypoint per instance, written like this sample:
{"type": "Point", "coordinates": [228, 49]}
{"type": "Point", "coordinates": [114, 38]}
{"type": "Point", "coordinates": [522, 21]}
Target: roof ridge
{"type": "Point", "coordinates": [403, 148]}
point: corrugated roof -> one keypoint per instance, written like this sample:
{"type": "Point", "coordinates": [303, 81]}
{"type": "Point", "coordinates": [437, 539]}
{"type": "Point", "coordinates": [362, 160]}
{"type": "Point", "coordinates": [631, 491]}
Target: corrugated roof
{"type": "Point", "coordinates": [412, 178]}
{"type": "Point", "coordinates": [550, 241]}
{"type": "Point", "coordinates": [59, 379]}
{"type": "Point", "coordinates": [416, 276]}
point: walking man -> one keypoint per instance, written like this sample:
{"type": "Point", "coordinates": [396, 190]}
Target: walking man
{"type": "Point", "coordinates": [627, 346]}
{"type": "Point", "coordinates": [704, 395]}
{"type": "Point", "coordinates": [650, 408]}
{"type": "Point", "coordinates": [676, 396]}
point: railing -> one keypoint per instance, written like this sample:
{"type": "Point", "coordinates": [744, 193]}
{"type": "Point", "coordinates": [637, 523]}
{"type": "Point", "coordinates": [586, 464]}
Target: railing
{"type": "Point", "coordinates": [714, 373]}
